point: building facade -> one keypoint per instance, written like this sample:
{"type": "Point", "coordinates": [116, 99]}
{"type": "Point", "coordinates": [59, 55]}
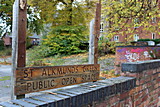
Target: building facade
{"type": "Point", "coordinates": [139, 32]}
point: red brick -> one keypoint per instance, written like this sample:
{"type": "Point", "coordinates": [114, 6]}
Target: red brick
{"type": "Point", "coordinates": [146, 103]}
{"type": "Point", "coordinates": [154, 71]}
{"type": "Point", "coordinates": [155, 76]}
{"type": "Point", "coordinates": [157, 90]}
{"type": "Point", "coordinates": [158, 69]}
{"type": "Point", "coordinates": [158, 80]}
{"type": "Point", "coordinates": [144, 98]}
{"type": "Point", "coordinates": [113, 100]}
{"type": "Point", "coordinates": [132, 74]}
{"type": "Point", "coordinates": [141, 105]}
{"type": "Point", "coordinates": [131, 92]}
{"type": "Point", "coordinates": [142, 81]}
{"type": "Point", "coordinates": [151, 88]}
{"type": "Point", "coordinates": [118, 105]}
{"type": "Point", "coordinates": [129, 101]}
{"type": "Point", "coordinates": [139, 88]}
{"type": "Point", "coordinates": [137, 82]}
{"type": "Point", "coordinates": [124, 95]}
{"type": "Point", "coordinates": [123, 74]}
{"type": "Point", "coordinates": [153, 103]}
{"type": "Point", "coordinates": [144, 86]}
{"type": "Point", "coordinates": [149, 84]}
{"type": "Point", "coordinates": [156, 85]}
{"type": "Point", "coordinates": [148, 72]}
{"type": "Point", "coordinates": [136, 96]}
{"type": "Point", "coordinates": [140, 75]}
{"type": "Point", "coordinates": [137, 102]}
{"type": "Point", "coordinates": [103, 104]}
{"type": "Point", "coordinates": [152, 93]}
{"type": "Point", "coordinates": [122, 103]}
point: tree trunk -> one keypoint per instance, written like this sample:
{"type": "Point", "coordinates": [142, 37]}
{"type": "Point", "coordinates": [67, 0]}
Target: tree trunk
{"type": "Point", "coordinates": [70, 12]}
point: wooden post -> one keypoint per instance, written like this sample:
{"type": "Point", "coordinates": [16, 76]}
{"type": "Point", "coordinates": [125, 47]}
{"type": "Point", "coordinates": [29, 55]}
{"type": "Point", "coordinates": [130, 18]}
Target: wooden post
{"type": "Point", "coordinates": [97, 31]}
{"type": "Point", "coordinates": [19, 39]}
{"type": "Point", "coordinates": [91, 42]}
{"type": "Point", "coordinates": [22, 26]}
{"type": "Point", "coordinates": [14, 44]}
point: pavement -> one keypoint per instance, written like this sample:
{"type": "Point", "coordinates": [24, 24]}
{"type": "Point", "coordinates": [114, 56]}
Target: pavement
{"type": "Point", "coordinates": [5, 83]}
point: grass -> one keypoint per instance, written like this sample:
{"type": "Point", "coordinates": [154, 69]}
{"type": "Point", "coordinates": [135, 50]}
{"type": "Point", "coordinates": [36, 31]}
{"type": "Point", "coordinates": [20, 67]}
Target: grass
{"type": "Point", "coordinates": [108, 74]}
{"type": "Point", "coordinates": [6, 86]}
{"type": "Point", "coordinates": [61, 60]}
{"type": "Point", "coordinates": [106, 62]}
{"type": "Point", "coordinates": [5, 78]}
{"type": "Point", "coordinates": [5, 63]}
{"type": "Point", "coordinates": [6, 52]}
{"type": "Point", "coordinates": [77, 59]}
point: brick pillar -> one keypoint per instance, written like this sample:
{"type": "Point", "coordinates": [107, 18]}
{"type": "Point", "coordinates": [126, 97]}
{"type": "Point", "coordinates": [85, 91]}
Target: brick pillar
{"type": "Point", "coordinates": [147, 75]}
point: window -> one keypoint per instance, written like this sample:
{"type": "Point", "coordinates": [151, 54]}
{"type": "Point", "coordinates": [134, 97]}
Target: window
{"type": "Point", "coordinates": [153, 36]}
{"type": "Point", "coordinates": [153, 19]}
{"type": "Point", "coordinates": [136, 37]}
{"type": "Point", "coordinates": [136, 23]}
{"type": "Point", "coordinates": [116, 28]}
{"type": "Point", "coordinates": [101, 27]}
{"type": "Point", "coordinates": [153, 2]}
{"type": "Point", "coordinates": [120, 1]}
{"type": "Point", "coordinates": [116, 38]}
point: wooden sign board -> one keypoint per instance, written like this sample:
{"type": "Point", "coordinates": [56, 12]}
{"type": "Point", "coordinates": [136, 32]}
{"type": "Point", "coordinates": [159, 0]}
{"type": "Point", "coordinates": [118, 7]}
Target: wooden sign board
{"type": "Point", "coordinates": [34, 79]}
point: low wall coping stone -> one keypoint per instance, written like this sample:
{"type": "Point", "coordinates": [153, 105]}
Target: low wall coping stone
{"type": "Point", "coordinates": [81, 95]}
{"type": "Point", "coordinates": [130, 46]}
{"type": "Point", "coordinates": [140, 66]}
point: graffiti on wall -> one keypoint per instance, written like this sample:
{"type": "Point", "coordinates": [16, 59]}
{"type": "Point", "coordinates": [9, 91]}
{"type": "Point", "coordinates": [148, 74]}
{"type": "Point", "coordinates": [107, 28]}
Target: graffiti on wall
{"type": "Point", "coordinates": [137, 54]}
{"type": "Point", "coordinates": [131, 57]}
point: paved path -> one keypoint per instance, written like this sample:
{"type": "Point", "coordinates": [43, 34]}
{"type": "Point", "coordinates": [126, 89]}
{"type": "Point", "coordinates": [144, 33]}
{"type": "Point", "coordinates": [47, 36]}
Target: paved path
{"type": "Point", "coordinates": [5, 83]}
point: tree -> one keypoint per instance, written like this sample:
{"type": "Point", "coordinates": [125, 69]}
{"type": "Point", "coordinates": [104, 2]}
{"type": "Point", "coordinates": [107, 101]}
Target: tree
{"type": "Point", "coordinates": [68, 21]}
{"type": "Point", "coordinates": [64, 12]}
{"type": "Point", "coordinates": [125, 16]}
{"type": "Point", "coordinates": [65, 40]}
{"type": "Point", "coordinates": [5, 15]}
{"type": "Point", "coordinates": [34, 22]}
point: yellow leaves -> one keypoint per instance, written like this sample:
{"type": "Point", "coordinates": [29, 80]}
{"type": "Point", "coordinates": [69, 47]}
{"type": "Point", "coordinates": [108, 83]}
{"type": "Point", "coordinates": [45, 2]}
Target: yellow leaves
{"type": "Point", "coordinates": [108, 74]}
{"type": "Point", "coordinates": [65, 34]}
{"type": "Point", "coordinates": [77, 56]}
{"type": "Point", "coordinates": [107, 56]}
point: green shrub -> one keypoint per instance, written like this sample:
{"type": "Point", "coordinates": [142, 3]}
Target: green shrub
{"type": "Point", "coordinates": [157, 41]}
{"type": "Point", "coordinates": [1, 45]}
{"type": "Point", "coordinates": [6, 52]}
{"type": "Point", "coordinates": [39, 52]}
{"type": "Point", "coordinates": [35, 54]}
{"type": "Point", "coordinates": [102, 46]}
{"type": "Point", "coordinates": [65, 40]}
{"type": "Point", "coordinates": [106, 46]}
{"type": "Point", "coordinates": [28, 43]}
{"type": "Point", "coordinates": [144, 39]}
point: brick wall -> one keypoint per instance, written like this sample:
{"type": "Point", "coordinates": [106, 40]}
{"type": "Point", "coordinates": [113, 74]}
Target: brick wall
{"type": "Point", "coordinates": [137, 87]}
{"type": "Point", "coordinates": [135, 53]}
{"type": "Point", "coordinates": [147, 90]}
